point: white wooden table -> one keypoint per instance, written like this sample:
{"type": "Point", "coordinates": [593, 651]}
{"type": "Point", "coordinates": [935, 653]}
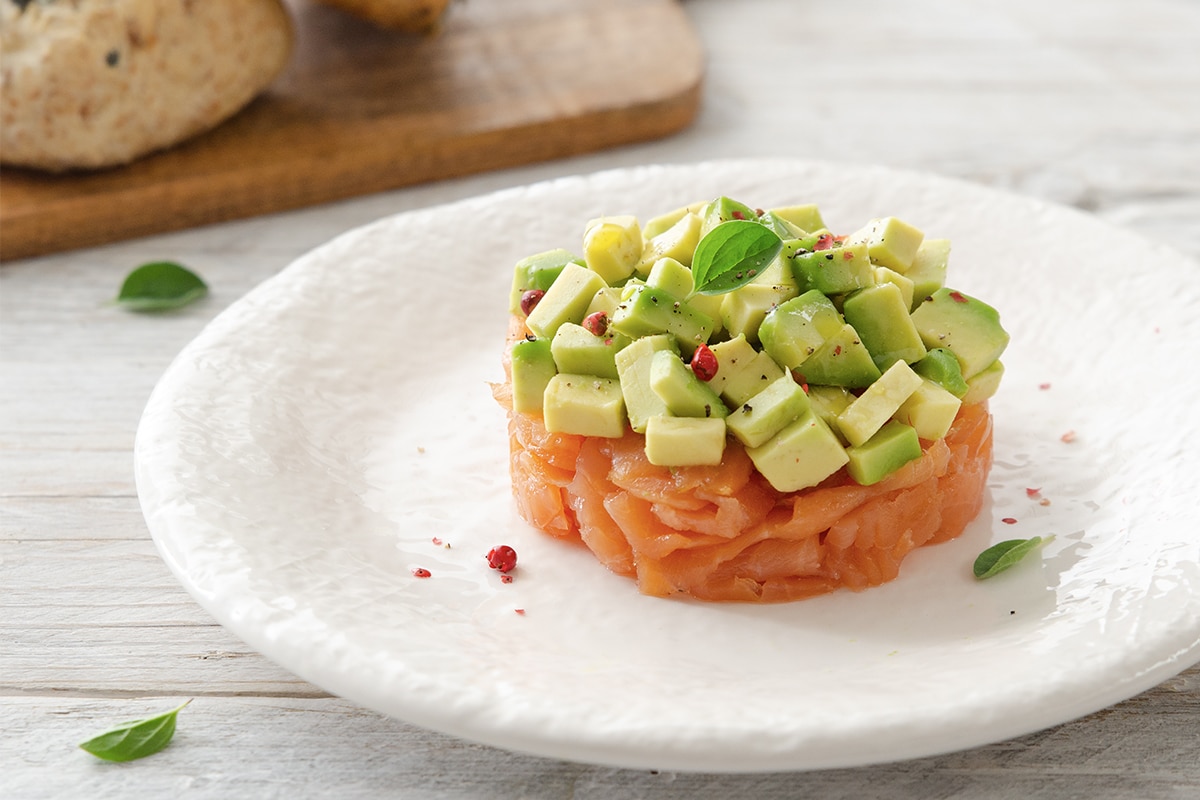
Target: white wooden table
{"type": "Point", "coordinates": [1091, 103]}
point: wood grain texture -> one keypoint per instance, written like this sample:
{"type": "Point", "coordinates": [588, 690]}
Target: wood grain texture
{"type": "Point", "coordinates": [360, 110]}
{"type": "Point", "coordinates": [1059, 101]}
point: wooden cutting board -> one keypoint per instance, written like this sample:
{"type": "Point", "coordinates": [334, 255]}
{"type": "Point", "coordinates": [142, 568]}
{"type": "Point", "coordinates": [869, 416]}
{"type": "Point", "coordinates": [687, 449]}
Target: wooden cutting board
{"type": "Point", "coordinates": [360, 110]}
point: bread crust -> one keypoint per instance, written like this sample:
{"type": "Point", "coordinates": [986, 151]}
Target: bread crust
{"type": "Point", "coordinates": [97, 83]}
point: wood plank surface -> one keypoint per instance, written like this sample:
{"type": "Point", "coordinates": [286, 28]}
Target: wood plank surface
{"type": "Point", "coordinates": [360, 109]}
{"type": "Point", "coordinates": [1089, 103]}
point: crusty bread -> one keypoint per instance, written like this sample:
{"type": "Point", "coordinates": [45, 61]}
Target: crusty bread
{"type": "Point", "coordinates": [95, 83]}
{"type": "Point", "coordinates": [414, 16]}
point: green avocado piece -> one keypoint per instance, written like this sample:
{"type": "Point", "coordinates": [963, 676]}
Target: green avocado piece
{"type": "Point", "coordinates": [768, 412]}
{"type": "Point", "coordinates": [649, 311]}
{"type": "Point", "coordinates": [606, 300]}
{"type": "Point", "coordinates": [940, 366]}
{"type": "Point", "coordinates": [685, 441]}
{"type": "Point", "coordinates": [805, 217]}
{"type": "Point", "coordinates": [968, 328]}
{"type": "Point", "coordinates": [724, 209]}
{"type": "Point", "coordinates": [779, 274]}
{"type": "Point", "coordinates": [783, 228]}
{"type": "Point", "coordinates": [532, 369]}
{"type": "Point", "coordinates": [754, 375]}
{"type": "Point", "coordinates": [664, 222]}
{"type": "Point", "coordinates": [671, 276]}
{"type": "Point", "coordinates": [633, 369]}
{"type": "Point", "coordinates": [886, 275]}
{"type": "Point", "coordinates": [742, 311]}
{"type": "Point", "coordinates": [566, 300]}
{"type": "Point", "coordinates": [893, 446]}
{"type": "Point", "coordinates": [586, 405]}
{"type": "Point", "coordinates": [732, 357]}
{"type": "Point", "coordinates": [710, 306]}
{"type": "Point", "coordinates": [930, 410]}
{"type": "Point", "coordinates": [836, 270]}
{"type": "Point", "coordinates": [612, 247]}
{"type": "Point", "coordinates": [928, 270]}
{"type": "Point", "coordinates": [880, 316]}
{"type": "Point", "coordinates": [870, 410]}
{"type": "Point", "coordinates": [677, 242]}
{"type": "Point", "coordinates": [537, 272]}
{"type": "Point", "coordinates": [796, 328]}
{"type": "Point", "coordinates": [828, 402]}
{"type": "Point", "coordinates": [801, 455]}
{"type": "Point", "coordinates": [842, 361]}
{"type": "Point", "coordinates": [984, 384]}
{"type": "Point", "coordinates": [891, 242]}
{"type": "Point", "coordinates": [577, 350]}
{"type": "Point", "coordinates": [678, 387]}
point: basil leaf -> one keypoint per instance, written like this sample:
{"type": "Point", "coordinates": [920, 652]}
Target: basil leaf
{"type": "Point", "coordinates": [134, 740]}
{"type": "Point", "coordinates": [732, 254]}
{"type": "Point", "coordinates": [1000, 557]}
{"type": "Point", "coordinates": [159, 286]}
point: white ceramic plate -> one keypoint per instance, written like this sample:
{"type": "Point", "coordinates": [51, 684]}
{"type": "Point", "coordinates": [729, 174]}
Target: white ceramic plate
{"type": "Point", "coordinates": [298, 459]}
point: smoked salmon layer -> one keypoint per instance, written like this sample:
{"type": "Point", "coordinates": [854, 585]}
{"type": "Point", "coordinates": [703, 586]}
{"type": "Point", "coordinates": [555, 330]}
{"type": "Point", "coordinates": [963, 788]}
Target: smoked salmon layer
{"type": "Point", "coordinates": [722, 533]}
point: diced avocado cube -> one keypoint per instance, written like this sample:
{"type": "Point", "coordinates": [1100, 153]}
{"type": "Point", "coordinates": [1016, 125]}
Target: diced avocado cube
{"type": "Point", "coordinates": [606, 300]}
{"type": "Point", "coordinates": [893, 446]}
{"type": "Point", "coordinates": [576, 350]}
{"type": "Point", "coordinates": [783, 228]}
{"type": "Point", "coordinates": [537, 272]}
{"type": "Point", "coordinates": [928, 270]}
{"type": "Point", "coordinates": [566, 300]}
{"type": "Point", "coordinates": [806, 217]}
{"type": "Point", "coordinates": [796, 328]}
{"type": "Point", "coordinates": [678, 387]}
{"type": "Point", "coordinates": [724, 209]}
{"type": "Point", "coordinates": [650, 311]}
{"type": "Point", "coordinates": [665, 221]}
{"type": "Point", "coordinates": [671, 276]}
{"type": "Point", "coordinates": [836, 270]}
{"type": "Point", "coordinates": [532, 369]}
{"type": "Point", "coordinates": [612, 247]}
{"type": "Point", "coordinates": [779, 274]}
{"type": "Point", "coordinates": [685, 441]}
{"type": "Point", "coordinates": [968, 328]}
{"type": "Point", "coordinates": [880, 316]}
{"type": "Point", "coordinates": [940, 366]}
{"type": "Point", "coordinates": [768, 412]}
{"type": "Point", "coordinates": [710, 306]}
{"type": "Point", "coordinates": [983, 385]}
{"type": "Point", "coordinates": [633, 368]}
{"type": "Point", "coordinates": [870, 410]}
{"type": "Point", "coordinates": [586, 405]}
{"type": "Point", "coordinates": [732, 357]}
{"type": "Point", "coordinates": [930, 410]}
{"type": "Point", "coordinates": [842, 361]}
{"type": "Point", "coordinates": [801, 455]}
{"type": "Point", "coordinates": [753, 376]}
{"type": "Point", "coordinates": [743, 311]}
{"type": "Point", "coordinates": [677, 242]}
{"type": "Point", "coordinates": [827, 402]}
{"type": "Point", "coordinates": [885, 275]}
{"type": "Point", "coordinates": [890, 242]}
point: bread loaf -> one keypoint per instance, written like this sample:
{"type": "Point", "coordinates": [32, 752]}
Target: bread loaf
{"type": "Point", "coordinates": [95, 83]}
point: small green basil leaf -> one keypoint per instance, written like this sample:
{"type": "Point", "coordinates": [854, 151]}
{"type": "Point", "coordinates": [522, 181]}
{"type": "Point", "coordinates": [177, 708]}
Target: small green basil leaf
{"type": "Point", "coordinates": [1000, 557]}
{"type": "Point", "coordinates": [136, 739]}
{"type": "Point", "coordinates": [732, 254]}
{"type": "Point", "coordinates": [160, 285]}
